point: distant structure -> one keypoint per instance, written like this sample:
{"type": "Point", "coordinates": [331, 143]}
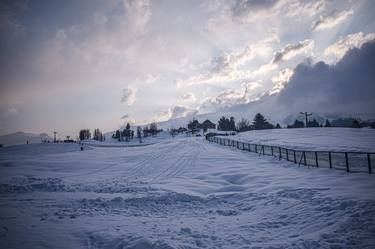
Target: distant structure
{"type": "Point", "coordinates": [207, 124]}
{"type": "Point", "coordinates": [306, 117]}
{"type": "Point", "coordinates": [55, 136]}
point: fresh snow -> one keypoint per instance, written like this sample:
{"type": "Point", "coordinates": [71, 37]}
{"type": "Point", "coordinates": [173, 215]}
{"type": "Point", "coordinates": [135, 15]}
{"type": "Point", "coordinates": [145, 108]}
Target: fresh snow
{"type": "Point", "coordinates": [178, 193]}
{"type": "Point", "coordinates": [315, 139]}
{"type": "Point", "coordinates": [22, 138]}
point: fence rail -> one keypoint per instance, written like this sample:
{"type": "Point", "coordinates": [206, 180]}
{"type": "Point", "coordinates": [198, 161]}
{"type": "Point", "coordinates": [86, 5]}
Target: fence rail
{"type": "Point", "coordinates": [345, 160]}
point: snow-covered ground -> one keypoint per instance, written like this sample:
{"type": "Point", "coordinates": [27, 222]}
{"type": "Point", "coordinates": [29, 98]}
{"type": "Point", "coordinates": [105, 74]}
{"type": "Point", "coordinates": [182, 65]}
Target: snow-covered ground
{"type": "Point", "coordinates": [179, 193]}
{"type": "Point", "coordinates": [23, 138]}
{"type": "Point", "coordinates": [315, 139]}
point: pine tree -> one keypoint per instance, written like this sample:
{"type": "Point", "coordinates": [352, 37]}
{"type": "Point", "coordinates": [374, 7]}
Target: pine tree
{"type": "Point", "coordinates": [297, 124]}
{"type": "Point", "coordinates": [327, 124]}
{"type": "Point", "coordinates": [260, 123]}
{"type": "Point", "coordinates": [356, 124]}
{"type": "Point", "coordinates": [278, 126]}
{"type": "Point", "coordinates": [232, 124]}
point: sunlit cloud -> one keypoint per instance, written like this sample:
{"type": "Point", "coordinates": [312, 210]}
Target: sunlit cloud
{"type": "Point", "coordinates": [331, 20]}
{"type": "Point", "coordinates": [356, 40]}
{"type": "Point", "coordinates": [291, 50]}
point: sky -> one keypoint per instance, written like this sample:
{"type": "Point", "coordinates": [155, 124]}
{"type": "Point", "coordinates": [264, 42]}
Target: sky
{"type": "Point", "coordinates": [68, 65]}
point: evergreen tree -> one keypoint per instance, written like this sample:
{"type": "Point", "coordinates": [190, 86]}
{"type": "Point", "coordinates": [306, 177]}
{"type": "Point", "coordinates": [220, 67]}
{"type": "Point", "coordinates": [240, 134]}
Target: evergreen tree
{"type": "Point", "coordinates": [356, 124]}
{"type": "Point", "coordinates": [222, 124]}
{"type": "Point", "coordinates": [297, 124]}
{"type": "Point", "coordinates": [194, 125]}
{"type": "Point", "coordinates": [84, 134]}
{"type": "Point", "coordinates": [139, 134]}
{"type": "Point", "coordinates": [153, 128]}
{"type": "Point", "coordinates": [260, 123]}
{"type": "Point", "coordinates": [313, 123]}
{"type": "Point", "coordinates": [327, 124]}
{"type": "Point", "coordinates": [232, 124]}
{"type": "Point", "coordinates": [126, 132]}
{"type": "Point", "coordinates": [98, 135]}
{"type": "Point", "coordinates": [278, 126]}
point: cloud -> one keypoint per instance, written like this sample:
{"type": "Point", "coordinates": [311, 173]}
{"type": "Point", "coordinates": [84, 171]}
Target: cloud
{"type": "Point", "coordinates": [356, 40]}
{"type": "Point", "coordinates": [226, 67]}
{"type": "Point", "coordinates": [151, 78]}
{"type": "Point", "coordinates": [103, 46]}
{"type": "Point", "coordinates": [280, 80]}
{"type": "Point", "coordinates": [176, 112]}
{"type": "Point", "coordinates": [225, 99]}
{"type": "Point", "coordinates": [291, 50]}
{"type": "Point", "coordinates": [129, 95]}
{"type": "Point", "coordinates": [330, 21]}
{"type": "Point", "coordinates": [346, 87]}
{"type": "Point", "coordinates": [125, 116]}
{"type": "Point", "coordinates": [188, 97]}
{"type": "Point", "coordinates": [248, 10]}
{"type": "Point", "coordinates": [10, 22]}
{"type": "Point", "coordinates": [297, 8]}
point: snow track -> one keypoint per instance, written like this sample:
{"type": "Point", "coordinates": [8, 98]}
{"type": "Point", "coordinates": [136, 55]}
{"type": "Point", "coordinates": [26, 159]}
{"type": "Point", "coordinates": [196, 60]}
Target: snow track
{"type": "Point", "coordinates": [180, 193]}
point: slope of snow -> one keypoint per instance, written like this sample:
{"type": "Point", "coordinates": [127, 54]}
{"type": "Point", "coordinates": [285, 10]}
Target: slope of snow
{"type": "Point", "coordinates": [179, 193]}
{"type": "Point", "coordinates": [22, 138]}
{"type": "Point", "coordinates": [316, 139]}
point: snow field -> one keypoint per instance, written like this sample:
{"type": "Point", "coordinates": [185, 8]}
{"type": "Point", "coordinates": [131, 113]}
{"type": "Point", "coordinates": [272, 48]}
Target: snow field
{"type": "Point", "coordinates": [179, 193]}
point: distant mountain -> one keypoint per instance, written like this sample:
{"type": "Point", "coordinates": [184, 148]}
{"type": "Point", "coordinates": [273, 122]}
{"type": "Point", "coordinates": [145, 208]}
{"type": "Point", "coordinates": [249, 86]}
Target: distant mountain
{"type": "Point", "coordinates": [22, 138]}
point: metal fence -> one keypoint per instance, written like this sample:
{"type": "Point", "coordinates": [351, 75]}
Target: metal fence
{"type": "Point", "coordinates": [349, 161]}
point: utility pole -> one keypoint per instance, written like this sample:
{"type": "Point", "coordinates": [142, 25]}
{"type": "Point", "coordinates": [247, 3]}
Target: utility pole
{"type": "Point", "coordinates": [306, 117]}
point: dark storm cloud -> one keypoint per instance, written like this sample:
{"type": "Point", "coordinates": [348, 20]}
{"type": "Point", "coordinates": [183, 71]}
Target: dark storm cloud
{"type": "Point", "coordinates": [348, 86]}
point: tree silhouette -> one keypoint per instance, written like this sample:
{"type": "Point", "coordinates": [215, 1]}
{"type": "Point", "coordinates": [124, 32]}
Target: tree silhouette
{"type": "Point", "coordinates": [356, 124]}
{"type": "Point", "coordinates": [327, 124]}
{"type": "Point", "coordinates": [260, 123]}
{"type": "Point", "coordinates": [297, 124]}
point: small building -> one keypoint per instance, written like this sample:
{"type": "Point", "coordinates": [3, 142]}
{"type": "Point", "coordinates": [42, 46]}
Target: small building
{"type": "Point", "coordinates": [207, 124]}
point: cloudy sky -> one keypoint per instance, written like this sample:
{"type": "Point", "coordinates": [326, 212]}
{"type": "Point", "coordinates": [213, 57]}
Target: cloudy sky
{"type": "Point", "coordinates": [67, 65]}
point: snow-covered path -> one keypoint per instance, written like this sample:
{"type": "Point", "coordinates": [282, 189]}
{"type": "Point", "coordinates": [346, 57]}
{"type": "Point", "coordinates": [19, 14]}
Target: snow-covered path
{"type": "Point", "coordinates": [180, 193]}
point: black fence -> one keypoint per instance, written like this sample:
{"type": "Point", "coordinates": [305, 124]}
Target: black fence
{"type": "Point", "coordinates": [349, 161]}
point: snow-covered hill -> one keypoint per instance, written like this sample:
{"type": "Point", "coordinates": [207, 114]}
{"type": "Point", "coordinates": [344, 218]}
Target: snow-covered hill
{"type": "Point", "coordinates": [23, 138]}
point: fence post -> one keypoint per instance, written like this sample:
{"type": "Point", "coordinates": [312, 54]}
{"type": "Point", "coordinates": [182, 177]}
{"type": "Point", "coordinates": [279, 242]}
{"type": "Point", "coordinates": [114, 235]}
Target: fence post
{"type": "Point", "coordinates": [263, 149]}
{"type": "Point", "coordinates": [256, 148]}
{"type": "Point", "coordinates": [330, 160]}
{"type": "Point", "coordinates": [287, 155]}
{"type": "Point", "coordinates": [272, 150]}
{"type": "Point", "coordinates": [279, 153]}
{"type": "Point", "coordinates": [369, 162]}
{"type": "Point", "coordinates": [304, 158]}
{"type": "Point", "coordinates": [316, 159]}
{"type": "Point", "coordinates": [294, 154]}
{"type": "Point", "coordinates": [347, 161]}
